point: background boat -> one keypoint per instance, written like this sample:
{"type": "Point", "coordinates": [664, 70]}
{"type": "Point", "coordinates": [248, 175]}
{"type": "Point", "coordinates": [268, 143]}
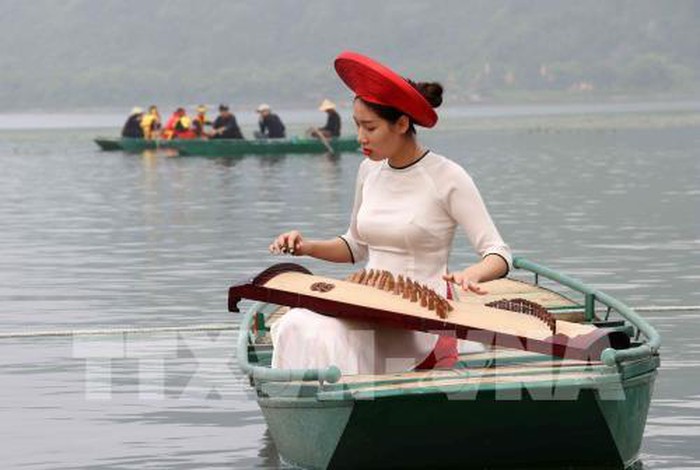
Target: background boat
{"type": "Point", "coordinates": [229, 147]}
{"type": "Point", "coordinates": [109, 144]}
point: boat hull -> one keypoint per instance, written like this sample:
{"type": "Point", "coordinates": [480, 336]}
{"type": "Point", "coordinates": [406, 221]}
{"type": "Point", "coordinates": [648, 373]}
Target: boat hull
{"type": "Point", "coordinates": [108, 144]}
{"type": "Point", "coordinates": [230, 147]}
{"type": "Point", "coordinates": [427, 429]}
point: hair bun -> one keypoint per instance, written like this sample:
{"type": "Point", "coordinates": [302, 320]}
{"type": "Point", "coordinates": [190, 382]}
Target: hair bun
{"type": "Point", "coordinates": [431, 91]}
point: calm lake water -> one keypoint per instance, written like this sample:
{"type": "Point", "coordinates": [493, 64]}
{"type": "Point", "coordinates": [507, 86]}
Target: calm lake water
{"type": "Point", "coordinates": [93, 240]}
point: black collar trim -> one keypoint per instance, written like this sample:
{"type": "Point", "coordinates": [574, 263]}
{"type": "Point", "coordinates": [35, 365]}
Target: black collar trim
{"type": "Point", "coordinates": [410, 164]}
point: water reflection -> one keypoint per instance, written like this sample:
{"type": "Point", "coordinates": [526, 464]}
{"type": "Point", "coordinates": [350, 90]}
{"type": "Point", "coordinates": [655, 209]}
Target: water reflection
{"type": "Point", "coordinates": [269, 457]}
{"type": "Point", "coordinates": [111, 239]}
{"type": "Point", "coordinates": [151, 158]}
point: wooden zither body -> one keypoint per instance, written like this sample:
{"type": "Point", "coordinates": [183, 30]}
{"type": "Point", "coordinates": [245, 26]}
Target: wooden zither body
{"type": "Point", "coordinates": [380, 298]}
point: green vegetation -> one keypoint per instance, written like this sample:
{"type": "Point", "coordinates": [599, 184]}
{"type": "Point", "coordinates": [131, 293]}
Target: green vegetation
{"type": "Point", "coordinates": [82, 53]}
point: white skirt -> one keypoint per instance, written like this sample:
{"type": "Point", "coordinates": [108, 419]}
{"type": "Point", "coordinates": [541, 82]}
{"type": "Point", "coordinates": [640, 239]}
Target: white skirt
{"type": "Point", "coordinates": [304, 339]}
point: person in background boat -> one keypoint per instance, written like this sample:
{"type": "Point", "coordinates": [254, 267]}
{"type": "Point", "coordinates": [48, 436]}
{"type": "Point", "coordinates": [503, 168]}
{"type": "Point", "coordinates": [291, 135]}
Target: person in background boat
{"type": "Point", "coordinates": [332, 127]}
{"type": "Point", "coordinates": [179, 126]}
{"type": "Point", "coordinates": [200, 121]}
{"type": "Point", "coordinates": [409, 202]}
{"type": "Point", "coordinates": [271, 126]}
{"type": "Point", "coordinates": [225, 125]}
{"type": "Point", "coordinates": [132, 126]}
{"type": "Point", "coordinates": [169, 129]}
{"type": "Point", "coordinates": [151, 122]}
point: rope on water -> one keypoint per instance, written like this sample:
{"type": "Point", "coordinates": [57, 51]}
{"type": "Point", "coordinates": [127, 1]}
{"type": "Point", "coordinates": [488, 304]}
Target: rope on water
{"type": "Point", "coordinates": [232, 326]}
{"type": "Point", "coordinates": [120, 331]}
{"type": "Point", "coordinates": [668, 308]}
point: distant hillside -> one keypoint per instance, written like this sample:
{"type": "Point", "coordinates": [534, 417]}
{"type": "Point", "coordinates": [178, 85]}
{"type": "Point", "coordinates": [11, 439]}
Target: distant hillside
{"type": "Point", "coordinates": [78, 53]}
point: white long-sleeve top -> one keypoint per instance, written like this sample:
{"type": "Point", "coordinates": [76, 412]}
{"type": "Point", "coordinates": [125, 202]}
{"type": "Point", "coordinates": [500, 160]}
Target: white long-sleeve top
{"type": "Point", "coordinates": [404, 220]}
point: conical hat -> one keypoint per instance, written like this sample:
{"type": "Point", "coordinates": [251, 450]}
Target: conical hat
{"type": "Point", "coordinates": [326, 105]}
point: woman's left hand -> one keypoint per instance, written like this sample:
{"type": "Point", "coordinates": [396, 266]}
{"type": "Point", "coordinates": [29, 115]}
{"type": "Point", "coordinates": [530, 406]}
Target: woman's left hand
{"type": "Point", "coordinates": [465, 282]}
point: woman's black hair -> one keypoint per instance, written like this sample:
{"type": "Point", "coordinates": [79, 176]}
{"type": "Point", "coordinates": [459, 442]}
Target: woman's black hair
{"type": "Point", "coordinates": [431, 91]}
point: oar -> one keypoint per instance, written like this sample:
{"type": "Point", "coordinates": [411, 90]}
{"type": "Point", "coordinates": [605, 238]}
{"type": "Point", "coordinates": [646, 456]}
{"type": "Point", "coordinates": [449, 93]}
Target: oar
{"type": "Point", "coordinates": [323, 140]}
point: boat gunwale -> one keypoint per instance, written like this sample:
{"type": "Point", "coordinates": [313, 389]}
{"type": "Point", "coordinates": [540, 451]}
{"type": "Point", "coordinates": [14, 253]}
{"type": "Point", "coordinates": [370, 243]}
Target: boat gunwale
{"type": "Point", "coordinates": [541, 383]}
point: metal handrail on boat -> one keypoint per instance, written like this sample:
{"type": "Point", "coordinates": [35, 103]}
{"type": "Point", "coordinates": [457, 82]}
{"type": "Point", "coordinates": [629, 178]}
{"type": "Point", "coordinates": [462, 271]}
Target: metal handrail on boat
{"type": "Point", "coordinates": [332, 374]}
{"type": "Point", "coordinates": [610, 356]}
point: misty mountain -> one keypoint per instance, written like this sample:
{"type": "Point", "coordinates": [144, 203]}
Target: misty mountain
{"type": "Point", "coordinates": [85, 53]}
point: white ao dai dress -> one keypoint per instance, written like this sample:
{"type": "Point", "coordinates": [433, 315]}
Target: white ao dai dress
{"type": "Point", "coordinates": [403, 221]}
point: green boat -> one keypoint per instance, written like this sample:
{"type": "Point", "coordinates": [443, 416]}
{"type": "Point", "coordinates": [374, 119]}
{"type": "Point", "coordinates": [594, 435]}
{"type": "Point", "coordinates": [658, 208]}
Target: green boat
{"type": "Point", "coordinates": [109, 144]}
{"type": "Point", "coordinates": [499, 408]}
{"type": "Point", "coordinates": [230, 147]}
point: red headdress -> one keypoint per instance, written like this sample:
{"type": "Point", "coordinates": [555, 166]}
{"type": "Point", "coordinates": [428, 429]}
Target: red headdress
{"type": "Point", "coordinates": [375, 83]}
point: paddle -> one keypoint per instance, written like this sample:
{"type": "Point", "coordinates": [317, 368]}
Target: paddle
{"type": "Point", "coordinates": [323, 139]}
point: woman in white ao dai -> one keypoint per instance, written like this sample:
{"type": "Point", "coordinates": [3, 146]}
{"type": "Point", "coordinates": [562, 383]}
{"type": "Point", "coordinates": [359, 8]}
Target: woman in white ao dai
{"type": "Point", "coordinates": [409, 202]}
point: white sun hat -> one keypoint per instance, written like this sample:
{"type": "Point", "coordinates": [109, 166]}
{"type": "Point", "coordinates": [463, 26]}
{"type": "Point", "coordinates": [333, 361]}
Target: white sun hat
{"type": "Point", "coordinates": [326, 105]}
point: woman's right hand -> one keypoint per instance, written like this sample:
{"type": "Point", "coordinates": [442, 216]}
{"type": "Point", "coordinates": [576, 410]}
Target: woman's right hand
{"type": "Point", "coordinates": [289, 243]}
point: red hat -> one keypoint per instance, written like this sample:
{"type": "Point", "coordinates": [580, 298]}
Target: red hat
{"type": "Point", "coordinates": [375, 83]}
